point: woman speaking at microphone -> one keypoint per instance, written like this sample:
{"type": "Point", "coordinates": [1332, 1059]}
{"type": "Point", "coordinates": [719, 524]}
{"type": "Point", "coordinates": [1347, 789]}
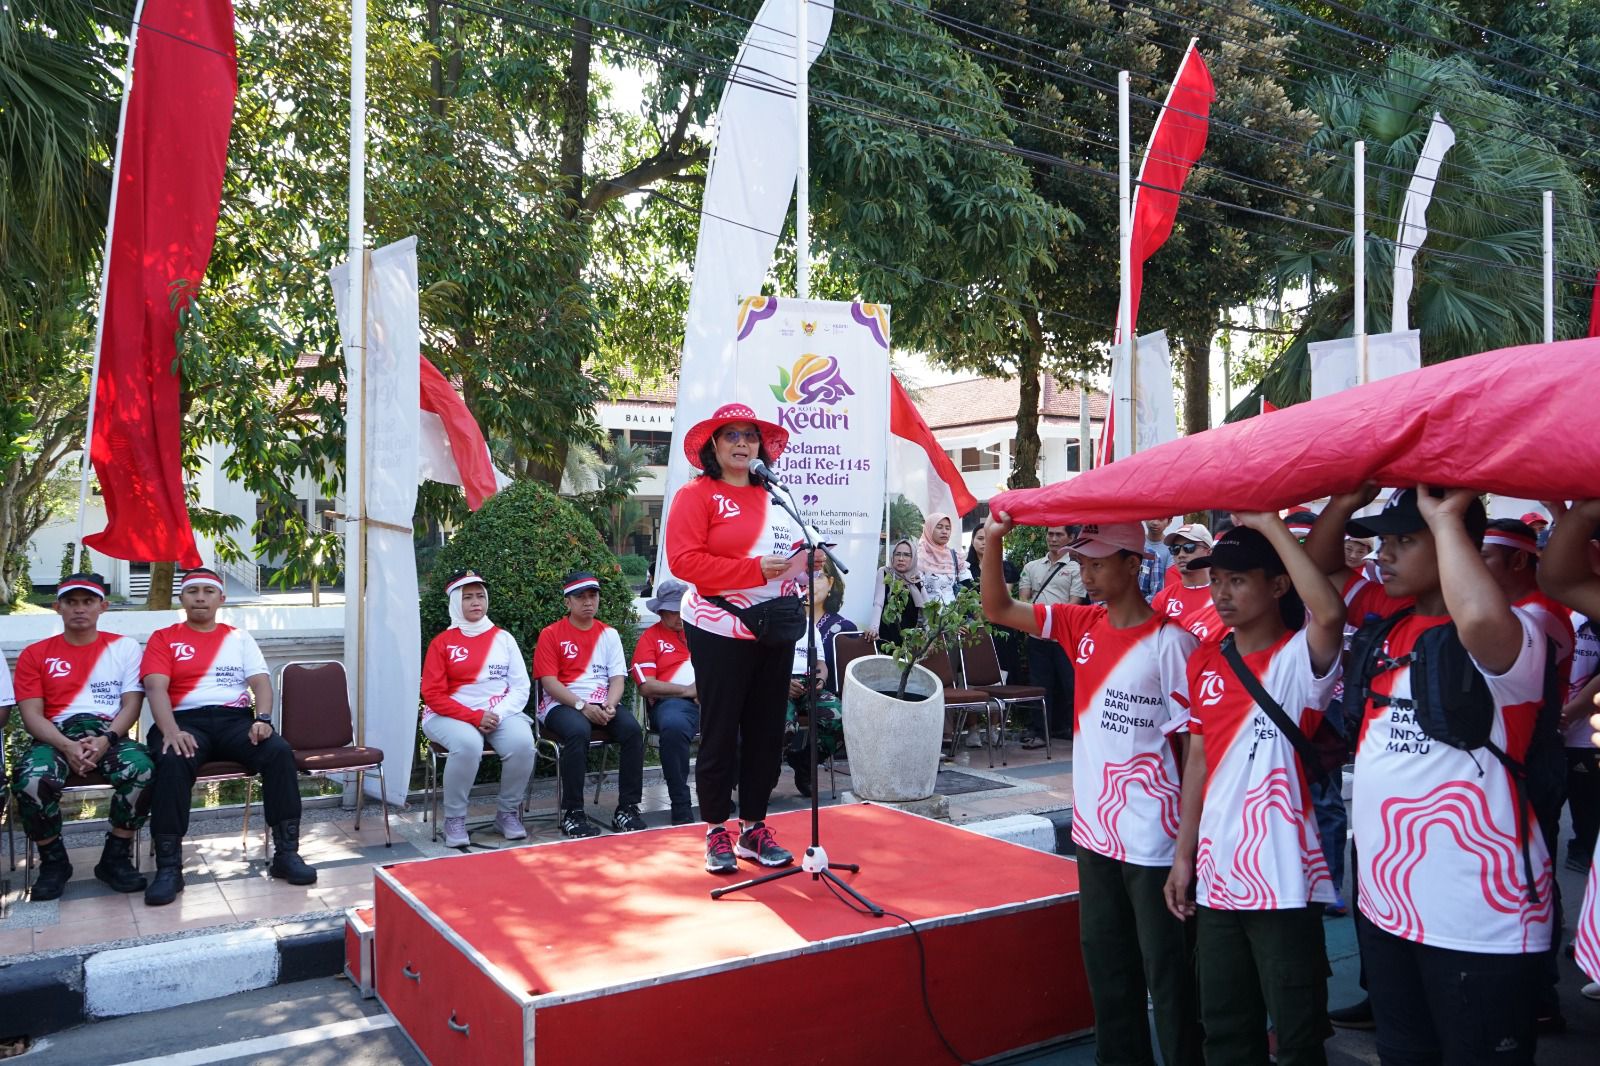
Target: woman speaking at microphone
{"type": "Point", "coordinates": [742, 616]}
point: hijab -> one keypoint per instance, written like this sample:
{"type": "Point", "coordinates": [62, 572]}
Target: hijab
{"type": "Point", "coordinates": [912, 577]}
{"type": "Point", "coordinates": [932, 557]}
{"type": "Point", "coordinates": [459, 620]}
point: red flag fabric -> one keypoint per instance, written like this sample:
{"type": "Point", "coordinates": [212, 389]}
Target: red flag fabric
{"type": "Point", "coordinates": [907, 423]}
{"type": "Point", "coordinates": [467, 448]}
{"type": "Point", "coordinates": [171, 155]}
{"type": "Point", "coordinates": [1176, 142]}
{"type": "Point", "coordinates": [1424, 426]}
{"type": "Point", "coordinates": [1594, 308]}
{"type": "Point", "coordinates": [1267, 405]}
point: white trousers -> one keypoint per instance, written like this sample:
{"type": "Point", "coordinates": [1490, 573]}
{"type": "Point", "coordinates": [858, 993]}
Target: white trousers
{"type": "Point", "coordinates": [512, 740]}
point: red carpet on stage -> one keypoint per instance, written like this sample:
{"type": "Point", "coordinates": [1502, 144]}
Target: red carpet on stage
{"type": "Point", "coordinates": [611, 950]}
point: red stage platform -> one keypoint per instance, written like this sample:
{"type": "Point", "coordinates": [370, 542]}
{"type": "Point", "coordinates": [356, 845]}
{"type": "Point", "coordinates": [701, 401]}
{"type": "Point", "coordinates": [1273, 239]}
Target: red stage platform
{"type": "Point", "coordinates": [611, 950]}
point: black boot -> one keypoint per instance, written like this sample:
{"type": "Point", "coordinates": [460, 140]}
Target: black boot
{"type": "Point", "coordinates": [115, 867]}
{"type": "Point", "coordinates": [168, 881]}
{"type": "Point", "coordinates": [286, 860]}
{"type": "Point", "coordinates": [54, 872]}
{"type": "Point", "coordinates": [800, 762]}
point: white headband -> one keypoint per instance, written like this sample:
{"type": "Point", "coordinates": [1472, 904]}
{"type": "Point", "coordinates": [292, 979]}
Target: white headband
{"type": "Point", "coordinates": [1515, 541]}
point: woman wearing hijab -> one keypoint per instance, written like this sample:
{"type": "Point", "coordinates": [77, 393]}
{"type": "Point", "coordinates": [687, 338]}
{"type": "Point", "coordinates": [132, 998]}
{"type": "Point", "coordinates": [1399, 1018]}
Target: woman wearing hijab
{"type": "Point", "coordinates": [474, 687]}
{"type": "Point", "coordinates": [941, 566]}
{"type": "Point", "coordinates": [902, 569]}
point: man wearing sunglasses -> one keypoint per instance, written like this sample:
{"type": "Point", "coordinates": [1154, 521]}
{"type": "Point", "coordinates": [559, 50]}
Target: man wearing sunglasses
{"type": "Point", "coordinates": [1187, 601]}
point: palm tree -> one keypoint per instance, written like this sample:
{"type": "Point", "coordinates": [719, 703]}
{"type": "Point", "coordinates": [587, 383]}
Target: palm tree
{"type": "Point", "coordinates": [1478, 284]}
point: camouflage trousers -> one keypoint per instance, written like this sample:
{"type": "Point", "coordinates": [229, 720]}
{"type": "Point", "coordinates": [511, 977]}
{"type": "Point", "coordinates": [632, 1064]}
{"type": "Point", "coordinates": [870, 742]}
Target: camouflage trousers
{"type": "Point", "coordinates": [42, 774]}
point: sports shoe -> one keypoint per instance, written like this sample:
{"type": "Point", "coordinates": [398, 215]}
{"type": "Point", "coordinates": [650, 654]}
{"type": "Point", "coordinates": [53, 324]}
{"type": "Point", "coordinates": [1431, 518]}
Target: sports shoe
{"type": "Point", "coordinates": [682, 814]}
{"type": "Point", "coordinates": [576, 824]}
{"type": "Point", "coordinates": [974, 740]}
{"type": "Point", "coordinates": [455, 833]}
{"type": "Point", "coordinates": [1591, 990]}
{"type": "Point", "coordinates": [758, 843]}
{"type": "Point", "coordinates": [1355, 1016]}
{"type": "Point", "coordinates": [628, 819]}
{"type": "Point", "coordinates": [719, 852]}
{"type": "Point", "coordinates": [509, 823]}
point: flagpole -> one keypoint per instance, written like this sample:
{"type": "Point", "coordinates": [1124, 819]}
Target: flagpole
{"type": "Point", "coordinates": [1549, 266]}
{"type": "Point", "coordinates": [1125, 247]}
{"type": "Point", "coordinates": [802, 174]}
{"type": "Point", "coordinates": [1360, 324]}
{"type": "Point", "coordinates": [355, 361]}
{"type": "Point", "coordinates": [1085, 448]}
{"type": "Point", "coordinates": [105, 278]}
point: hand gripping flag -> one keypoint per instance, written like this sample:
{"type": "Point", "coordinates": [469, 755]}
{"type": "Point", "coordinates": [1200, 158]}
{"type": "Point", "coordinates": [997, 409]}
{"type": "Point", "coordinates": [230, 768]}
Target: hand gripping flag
{"type": "Point", "coordinates": [171, 155]}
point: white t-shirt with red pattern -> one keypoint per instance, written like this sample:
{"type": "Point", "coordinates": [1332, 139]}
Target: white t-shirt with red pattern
{"type": "Point", "coordinates": [584, 660]}
{"type": "Point", "coordinates": [1585, 661]}
{"type": "Point", "coordinates": [662, 655]}
{"type": "Point", "coordinates": [204, 669]}
{"type": "Point", "coordinates": [75, 679]}
{"type": "Point", "coordinates": [1191, 608]}
{"type": "Point", "coordinates": [1129, 697]}
{"type": "Point", "coordinates": [716, 536]}
{"type": "Point", "coordinates": [1258, 846]}
{"type": "Point", "coordinates": [463, 676]}
{"type": "Point", "coordinates": [1587, 939]}
{"type": "Point", "coordinates": [1440, 851]}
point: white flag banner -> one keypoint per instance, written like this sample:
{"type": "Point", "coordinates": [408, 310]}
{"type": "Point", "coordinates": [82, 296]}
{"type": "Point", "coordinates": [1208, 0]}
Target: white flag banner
{"type": "Point", "coordinates": [1336, 364]}
{"type": "Point", "coordinates": [391, 645]}
{"type": "Point", "coordinates": [820, 369]}
{"type": "Point", "coordinates": [749, 185]}
{"type": "Point", "coordinates": [1414, 217]}
{"type": "Point", "coordinates": [1156, 414]}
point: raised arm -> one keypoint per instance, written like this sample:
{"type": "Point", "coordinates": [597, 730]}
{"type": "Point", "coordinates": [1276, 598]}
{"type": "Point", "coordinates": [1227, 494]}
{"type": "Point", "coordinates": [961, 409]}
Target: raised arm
{"type": "Point", "coordinates": [998, 606]}
{"type": "Point", "coordinates": [1325, 543]}
{"type": "Point", "coordinates": [1489, 630]}
{"type": "Point", "coordinates": [1565, 573]}
{"type": "Point", "coordinates": [1325, 630]}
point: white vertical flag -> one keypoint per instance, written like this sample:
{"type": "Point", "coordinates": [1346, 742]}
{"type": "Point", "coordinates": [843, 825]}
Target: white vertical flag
{"type": "Point", "coordinates": [749, 185]}
{"type": "Point", "coordinates": [391, 651]}
{"type": "Point", "coordinates": [1335, 364]}
{"type": "Point", "coordinates": [1414, 217]}
{"type": "Point", "coordinates": [1156, 417]}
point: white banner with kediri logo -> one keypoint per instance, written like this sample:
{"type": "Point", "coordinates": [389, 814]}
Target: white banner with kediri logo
{"type": "Point", "coordinates": [820, 369]}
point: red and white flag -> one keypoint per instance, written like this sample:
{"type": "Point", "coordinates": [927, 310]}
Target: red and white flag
{"type": "Point", "coordinates": [1267, 406]}
{"type": "Point", "coordinates": [172, 152]}
{"type": "Point", "coordinates": [451, 447]}
{"type": "Point", "coordinates": [919, 469]}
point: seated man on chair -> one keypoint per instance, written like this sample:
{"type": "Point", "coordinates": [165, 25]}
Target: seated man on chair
{"type": "Point", "coordinates": [581, 671]}
{"type": "Point", "coordinates": [79, 694]}
{"type": "Point", "coordinates": [666, 679]}
{"type": "Point", "coordinates": [200, 676]}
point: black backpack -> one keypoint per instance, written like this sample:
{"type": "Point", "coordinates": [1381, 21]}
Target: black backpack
{"type": "Point", "coordinates": [1452, 704]}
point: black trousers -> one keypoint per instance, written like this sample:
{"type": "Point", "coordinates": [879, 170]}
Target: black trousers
{"type": "Point", "coordinates": [1435, 1006]}
{"type": "Point", "coordinates": [1255, 965]}
{"type": "Point", "coordinates": [570, 729]}
{"type": "Point", "coordinates": [1050, 669]}
{"type": "Point", "coordinates": [1583, 798]}
{"type": "Point", "coordinates": [221, 733]}
{"type": "Point", "coordinates": [744, 692]}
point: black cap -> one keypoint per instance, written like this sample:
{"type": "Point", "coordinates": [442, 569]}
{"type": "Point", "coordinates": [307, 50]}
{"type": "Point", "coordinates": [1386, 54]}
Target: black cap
{"type": "Point", "coordinates": [1401, 515]}
{"type": "Point", "coordinates": [1241, 548]}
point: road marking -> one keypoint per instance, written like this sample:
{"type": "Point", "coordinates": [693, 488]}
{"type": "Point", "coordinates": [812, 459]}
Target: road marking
{"type": "Point", "coordinates": [276, 1042]}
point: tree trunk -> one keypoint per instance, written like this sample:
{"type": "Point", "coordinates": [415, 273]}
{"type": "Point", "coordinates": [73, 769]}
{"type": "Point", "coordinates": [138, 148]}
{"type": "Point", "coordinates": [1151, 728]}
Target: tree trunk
{"type": "Point", "coordinates": [159, 597]}
{"type": "Point", "coordinates": [1196, 382]}
{"type": "Point", "coordinates": [1025, 463]}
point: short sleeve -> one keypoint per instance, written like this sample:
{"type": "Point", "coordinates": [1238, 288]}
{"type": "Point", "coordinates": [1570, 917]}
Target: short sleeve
{"type": "Point", "coordinates": [255, 663]}
{"type": "Point", "coordinates": [128, 666]}
{"type": "Point", "coordinates": [1523, 681]}
{"type": "Point", "coordinates": [157, 657]}
{"type": "Point", "coordinates": [1175, 645]}
{"type": "Point", "coordinates": [544, 656]}
{"type": "Point", "coordinates": [1191, 673]}
{"type": "Point", "coordinates": [8, 693]}
{"type": "Point", "coordinates": [616, 659]}
{"type": "Point", "coordinates": [1055, 622]}
{"type": "Point", "coordinates": [1312, 693]}
{"type": "Point", "coordinates": [644, 659]}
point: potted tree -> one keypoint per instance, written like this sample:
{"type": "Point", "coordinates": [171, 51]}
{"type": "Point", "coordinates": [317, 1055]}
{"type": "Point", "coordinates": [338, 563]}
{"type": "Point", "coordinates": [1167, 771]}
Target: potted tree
{"type": "Point", "coordinates": [893, 708]}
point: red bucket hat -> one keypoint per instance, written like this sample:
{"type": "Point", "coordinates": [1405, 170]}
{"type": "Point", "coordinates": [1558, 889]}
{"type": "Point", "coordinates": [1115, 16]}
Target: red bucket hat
{"type": "Point", "coordinates": [773, 437]}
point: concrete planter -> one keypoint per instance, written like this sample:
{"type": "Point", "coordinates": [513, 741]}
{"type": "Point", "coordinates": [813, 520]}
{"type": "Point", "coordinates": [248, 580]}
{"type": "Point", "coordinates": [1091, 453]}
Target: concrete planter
{"type": "Point", "coordinates": [893, 744]}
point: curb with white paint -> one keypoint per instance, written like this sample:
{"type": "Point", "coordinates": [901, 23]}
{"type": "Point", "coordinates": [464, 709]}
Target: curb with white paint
{"type": "Point", "coordinates": [155, 976]}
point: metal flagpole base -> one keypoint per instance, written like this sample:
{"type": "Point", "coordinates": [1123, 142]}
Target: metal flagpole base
{"type": "Point", "coordinates": [814, 862]}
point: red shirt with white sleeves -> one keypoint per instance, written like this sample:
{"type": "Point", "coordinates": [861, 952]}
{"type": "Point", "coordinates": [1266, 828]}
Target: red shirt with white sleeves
{"type": "Point", "coordinates": [464, 676]}
{"type": "Point", "coordinates": [716, 536]}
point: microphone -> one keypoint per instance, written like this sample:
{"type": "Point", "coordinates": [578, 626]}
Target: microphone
{"type": "Point", "coordinates": [764, 472]}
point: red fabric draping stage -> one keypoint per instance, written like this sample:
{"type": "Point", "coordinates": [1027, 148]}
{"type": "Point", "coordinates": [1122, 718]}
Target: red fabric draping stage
{"type": "Point", "coordinates": [1515, 422]}
{"type": "Point", "coordinates": [611, 950]}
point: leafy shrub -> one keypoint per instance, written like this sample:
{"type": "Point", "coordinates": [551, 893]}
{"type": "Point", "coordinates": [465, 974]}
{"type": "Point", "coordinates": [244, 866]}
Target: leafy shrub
{"type": "Point", "coordinates": [634, 566]}
{"type": "Point", "coordinates": [524, 541]}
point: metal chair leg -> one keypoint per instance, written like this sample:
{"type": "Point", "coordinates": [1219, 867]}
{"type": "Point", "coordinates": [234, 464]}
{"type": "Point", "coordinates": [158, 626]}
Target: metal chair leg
{"type": "Point", "coordinates": [388, 839]}
{"type": "Point", "coordinates": [361, 800]}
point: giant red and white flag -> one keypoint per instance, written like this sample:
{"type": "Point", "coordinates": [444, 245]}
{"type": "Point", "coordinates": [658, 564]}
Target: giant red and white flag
{"type": "Point", "coordinates": [172, 150]}
{"type": "Point", "coordinates": [919, 469]}
{"type": "Point", "coordinates": [450, 446]}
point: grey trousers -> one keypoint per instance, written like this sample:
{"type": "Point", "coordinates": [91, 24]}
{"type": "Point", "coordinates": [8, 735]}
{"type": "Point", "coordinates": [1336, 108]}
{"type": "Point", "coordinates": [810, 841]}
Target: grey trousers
{"type": "Point", "coordinates": [512, 740]}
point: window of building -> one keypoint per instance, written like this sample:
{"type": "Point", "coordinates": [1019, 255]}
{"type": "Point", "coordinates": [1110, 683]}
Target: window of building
{"type": "Point", "coordinates": [973, 459]}
{"type": "Point", "coordinates": [656, 443]}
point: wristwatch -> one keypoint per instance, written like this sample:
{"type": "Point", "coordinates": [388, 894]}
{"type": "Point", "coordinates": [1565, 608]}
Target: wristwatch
{"type": "Point", "coordinates": [112, 736]}
{"type": "Point", "coordinates": [266, 722]}
{"type": "Point", "coordinates": [580, 705]}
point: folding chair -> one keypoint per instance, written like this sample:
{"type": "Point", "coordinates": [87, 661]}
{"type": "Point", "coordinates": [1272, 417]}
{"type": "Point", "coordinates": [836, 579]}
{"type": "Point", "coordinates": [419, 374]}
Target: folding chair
{"type": "Point", "coordinates": [314, 718]}
{"type": "Point", "coordinates": [980, 666]}
{"type": "Point", "coordinates": [963, 701]}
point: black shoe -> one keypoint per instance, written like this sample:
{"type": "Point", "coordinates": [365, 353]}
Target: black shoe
{"type": "Point", "coordinates": [628, 819]}
{"type": "Point", "coordinates": [168, 881]}
{"type": "Point", "coordinates": [115, 867]}
{"type": "Point", "coordinates": [55, 870]}
{"type": "Point", "coordinates": [800, 763]}
{"type": "Point", "coordinates": [1355, 1016]}
{"type": "Point", "coordinates": [682, 814]}
{"type": "Point", "coordinates": [1551, 1024]}
{"type": "Point", "coordinates": [758, 843]}
{"type": "Point", "coordinates": [286, 861]}
{"type": "Point", "coordinates": [719, 852]}
{"type": "Point", "coordinates": [576, 824]}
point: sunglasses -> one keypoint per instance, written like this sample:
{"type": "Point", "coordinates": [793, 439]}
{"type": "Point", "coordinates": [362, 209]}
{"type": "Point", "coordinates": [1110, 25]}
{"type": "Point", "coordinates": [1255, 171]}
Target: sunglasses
{"type": "Point", "coordinates": [1187, 547]}
{"type": "Point", "coordinates": [738, 436]}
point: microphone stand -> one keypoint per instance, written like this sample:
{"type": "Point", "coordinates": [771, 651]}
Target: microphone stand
{"type": "Point", "coordinates": [815, 861]}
